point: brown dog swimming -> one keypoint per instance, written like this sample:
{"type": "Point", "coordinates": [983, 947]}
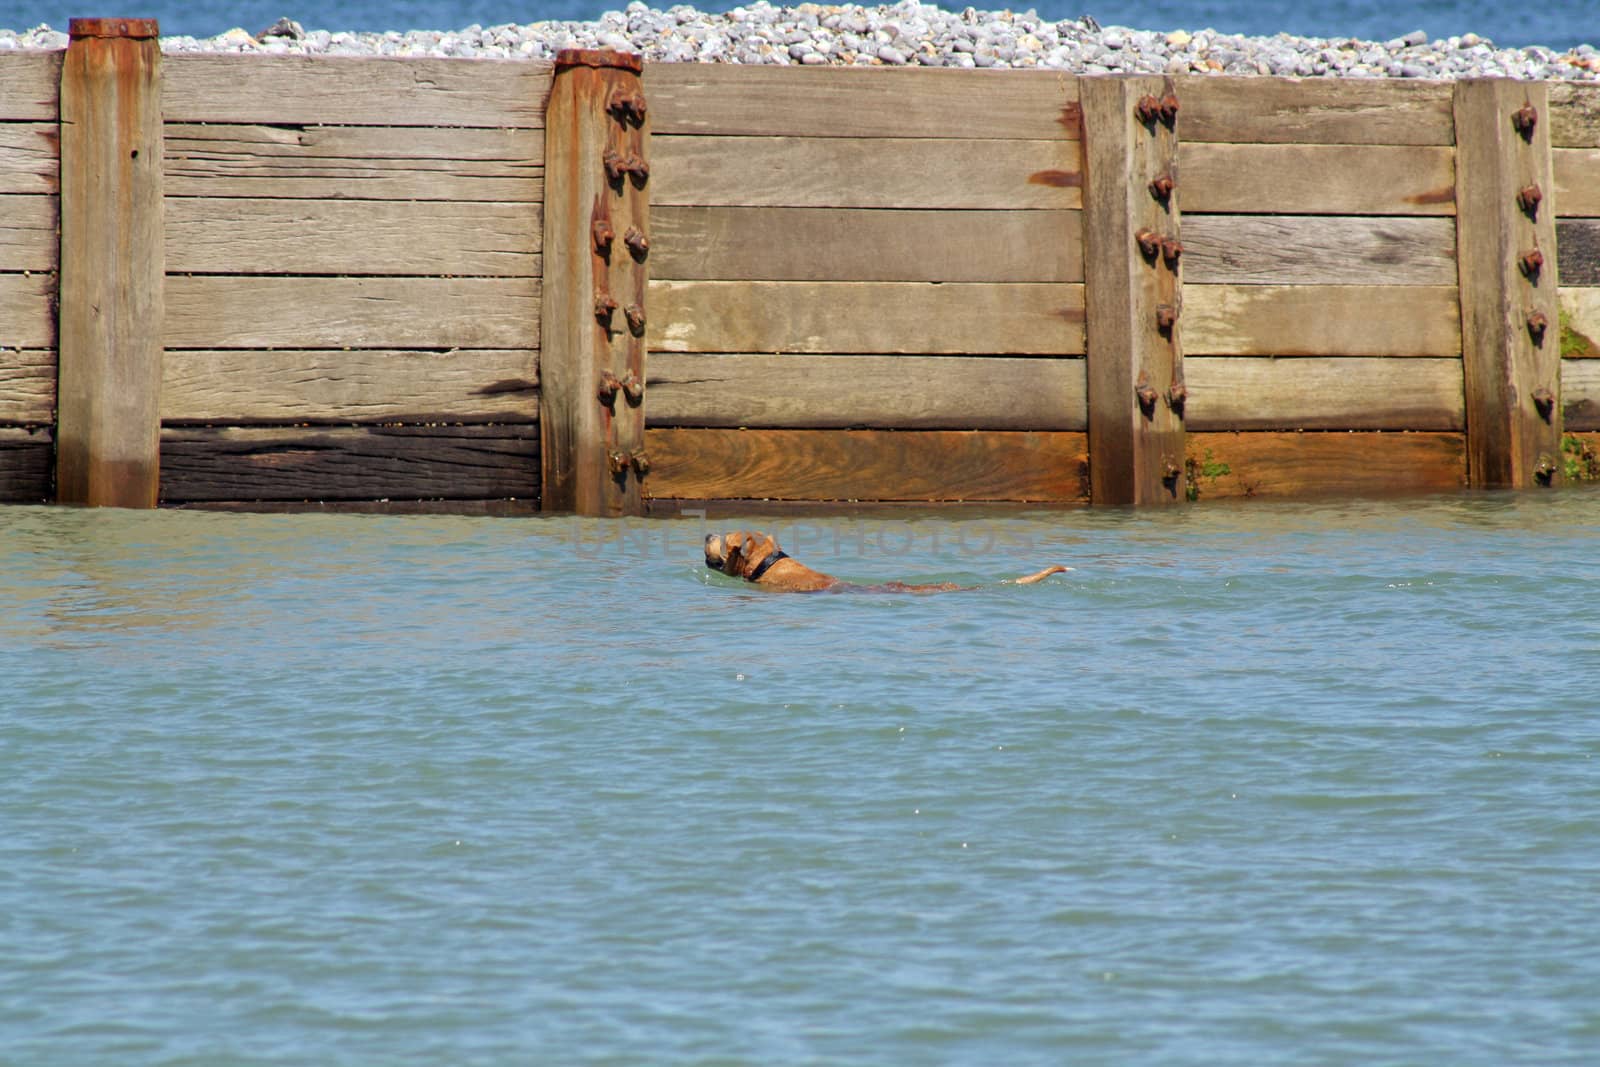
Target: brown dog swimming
{"type": "Point", "coordinates": [756, 557]}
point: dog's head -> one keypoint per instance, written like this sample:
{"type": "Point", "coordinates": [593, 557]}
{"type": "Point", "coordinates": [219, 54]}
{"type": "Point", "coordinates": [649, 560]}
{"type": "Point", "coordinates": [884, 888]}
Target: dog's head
{"type": "Point", "coordinates": [739, 553]}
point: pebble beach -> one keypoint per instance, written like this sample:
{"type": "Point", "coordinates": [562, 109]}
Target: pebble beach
{"type": "Point", "coordinates": [907, 34]}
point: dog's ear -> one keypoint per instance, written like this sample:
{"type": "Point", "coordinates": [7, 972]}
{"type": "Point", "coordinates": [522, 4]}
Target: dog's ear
{"type": "Point", "coordinates": [757, 547]}
{"type": "Point", "coordinates": [733, 550]}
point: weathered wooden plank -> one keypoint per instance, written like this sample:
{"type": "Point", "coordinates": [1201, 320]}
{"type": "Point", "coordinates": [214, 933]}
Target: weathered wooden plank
{"type": "Point", "coordinates": [1574, 115]}
{"type": "Point", "coordinates": [1580, 323]}
{"type": "Point", "coordinates": [1576, 174]}
{"type": "Point", "coordinates": [878, 392]}
{"type": "Point", "coordinates": [241, 388]}
{"type": "Point", "coordinates": [365, 463]}
{"type": "Point", "coordinates": [730, 100]}
{"type": "Point", "coordinates": [30, 86]}
{"type": "Point", "coordinates": [859, 244]}
{"type": "Point", "coordinates": [27, 386]}
{"type": "Point", "coordinates": [864, 172]}
{"type": "Point", "coordinates": [1323, 393]}
{"type": "Point", "coordinates": [1318, 250]}
{"type": "Point", "coordinates": [28, 238]}
{"type": "Point", "coordinates": [356, 91]}
{"type": "Point", "coordinates": [1321, 320]}
{"type": "Point", "coordinates": [355, 163]}
{"type": "Point", "coordinates": [216, 236]}
{"type": "Point", "coordinates": [1315, 111]}
{"type": "Point", "coordinates": [27, 318]}
{"type": "Point", "coordinates": [1579, 241]}
{"type": "Point", "coordinates": [30, 157]}
{"type": "Point", "coordinates": [866, 317]}
{"type": "Point", "coordinates": [1580, 394]}
{"type": "Point", "coordinates": [223, 311]}
{"type": "Point", "coordinates": [715, 464]}
{"type": "Point", "coordinates": [1270, 466]}
{"type": "Point", "coordinates": [27, 460]}
{"type": "Point", "coordinates": [1316, 179]}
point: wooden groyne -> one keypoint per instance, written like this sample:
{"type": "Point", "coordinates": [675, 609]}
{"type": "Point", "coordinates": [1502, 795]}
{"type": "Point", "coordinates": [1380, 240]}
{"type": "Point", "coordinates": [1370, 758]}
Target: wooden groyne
{"type": "Point", "coordinates": [234, 279]}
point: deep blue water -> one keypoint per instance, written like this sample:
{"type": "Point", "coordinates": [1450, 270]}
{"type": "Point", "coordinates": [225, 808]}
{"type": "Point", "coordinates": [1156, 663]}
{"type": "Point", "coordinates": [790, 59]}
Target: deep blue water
{"type": "Point", "coordinates": [1559, 24]}
{"type": "Point", "coordinates": [1286, 784]}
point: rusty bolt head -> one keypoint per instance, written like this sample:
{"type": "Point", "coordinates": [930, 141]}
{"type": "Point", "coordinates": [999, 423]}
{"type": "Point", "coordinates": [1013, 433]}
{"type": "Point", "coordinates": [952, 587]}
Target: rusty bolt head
{"type": "Point", "coordinates": [636, 166]}
{"type": "Point", "coordinates": [608, 388]}
{"type": "Point", "coordinates": [1177, 397]}
{"type": "Point", "coordinates": [1538, 323]}
{"type": "Point", "coordinates": [1170, 471]}
{"type": "Point", "coordinates": [1149, 243]}
{"type": "Point", "coordinates": [619, 462]}
{"type": "Point", "coordinates": [1147, 110]}
{"type": "Point", "coordinates": [637, 242]}
{"type": "Point", "coordinates": [1171, 249]}
{"type": "Point", "coordinates": [1161, 188]}
{"type": "Point", "coordinates": [1147, 396]}
{"type": "Point", "coordinates": [633, 388]}
{"type": "Point", "coordinates": [1524, 120]}
{"type": "Point", "coordinates": [614, 164]}
{"type": "Point", "coordinates": [1544, 472]}
{"type": "Point", "coordinates": [1531, 262]}
{"type": "Point", "coordinates": [626, 106]}
{"type": "Point", "coordinates": [603, 235]}
{"type": "Point", "coordinates": [1166, 317]}
{"type": "Point", "coordinates": [635, 315]}
{"type": "Point", "coordinates": [641, 464]}
{"type": "Point", "coordinates": [1544, 402]}
{"type": "Point", "coordinates": [604, 305]}
{"type": "Point", "coordinates": [1528, 198]}
{"type": "Point", "coordinates": [1169, 108]}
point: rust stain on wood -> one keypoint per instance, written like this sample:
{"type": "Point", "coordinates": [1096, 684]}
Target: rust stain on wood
{"type": "Point", "coordinates": [1071, 117]}
{"type": "Point", "coordinates": [1060, 179]}
{"type": "Point", "coordinates": [1445, 195]}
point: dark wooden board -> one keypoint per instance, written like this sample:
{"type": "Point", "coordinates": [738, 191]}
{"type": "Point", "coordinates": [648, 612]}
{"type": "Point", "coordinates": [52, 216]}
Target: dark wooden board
{"type": "Point", "coordinates": [1291, 465]}
{"type": "Point", "coordinates": [1580, 394]}
{"type": "Point", "coordinates": [27, 386]}
{"type": "Point", "coordinates": [1319, 250]}
{"type": "Point", "coordinates": [1579, 243]}
{"type": "Point", "coordinates": [395, 462]}
{"type": "Point", "coordinates": [27, 465]}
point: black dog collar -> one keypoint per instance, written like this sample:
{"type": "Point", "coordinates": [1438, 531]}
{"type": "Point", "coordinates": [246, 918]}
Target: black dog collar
{"type": "Point", "coordinates": [766, 565]}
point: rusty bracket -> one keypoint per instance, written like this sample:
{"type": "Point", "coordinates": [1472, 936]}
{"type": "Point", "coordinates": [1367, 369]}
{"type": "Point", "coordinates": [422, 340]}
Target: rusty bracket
{"type": "Point", "coordinates": [638, 244]}
{"type": "Point", "coordinates": [604, 305]}
{"type": "Point", "coordinates": [1524, 120]}
{"type": "Point", "coordinates": [1544, 402]}
{"type": "Point", "coordinates": [635, 316]}
{"type": "Point", "coordinates": [1528, 198]}
{"type": "Point", "coordinates": [1538, 323]}
{"type": "Point", "coordinates": [1146, 394]}
{"type": "Point", "coordinates": [1161, 188]}
{"type": "Point", "coordinates": [1530, 263]}
{"type": "Point", "coordinates": [1149, 244]}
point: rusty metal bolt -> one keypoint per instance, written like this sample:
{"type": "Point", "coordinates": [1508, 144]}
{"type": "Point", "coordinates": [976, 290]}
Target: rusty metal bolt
{"type": "Point", "coordinates": [608, 388]}
{"type": "Point", "coordinates": [635, 315]}
{"type": "Point", "coordinates": [1177, 397]}
{"type": "Point", "coordinates": [626, 106]}
{"type": "Point", "coordinates": [1147, 110]}
{"type": "Point", "coordinates": [1166, 318]}
{"type": "Point", "coordinates": [641, 464]}
{"type": "Point", "coordinates": [604, 305]}
{"type": "Point", "coordinates": [637, 242]}
{"type": "Point", "coordinates": [1147, 396]}
{"type": "Point", "coordinates": [1149, 243]}
{"type": "Point", "coordinates": [636, 166]}
{"type": "Point", "coordinates": [1170, 471]}
{"type": "Point", "coordinates": [619, 462]}
{"type": "Point", "coordinates": [1531, 262]}
{"type": "Point", "coordinates": [1544, 402]}
{"type": "Point", "coordinates": [1169, 108]}
{"type": "Point", "coordinates": [1524, 119]}
{"type": "Point", "coordinates": [614, 164]}
{"type": "Point", "coordinates": [1538, 323]}
{"type": "Point", "coordinates": [1171, 249]}
{"type": "Point", "coordinates": [603, 235]}
{"type": "Point", "coordinates": [633, 388]}
{"type": "Point", "coordinates": [1528, 198]}
{"type": "Point", "coordinates": [1161, 188]}
{"type": "Point", "coordinates": [1544, 472]}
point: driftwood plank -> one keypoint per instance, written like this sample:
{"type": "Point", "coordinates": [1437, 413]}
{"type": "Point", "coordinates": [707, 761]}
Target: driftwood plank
{"type": "Point", "coordinates": [1321, 320]}
{"type": "Point", "coordinates": [866, 317]}
{"type": "Point", "coordinates": [866, 465]}
{"type": "Point", "coordinates": [1314, 111]}
{"type": "Point", "coordinates": [355, 163]}
{"type": "Point", "coordinates": [1574, 115]}
{"type": "Point", "coordinates": [864, 172]}
{"type": "Point", "coordinates": [857, 244]}
{"type": "Point", "coordinates": [355, 91]}
{"type": "Point", "coordinates": [27, 319]}
{"type": "Point", "coordinates": [1580, 322]}
{"type": "Point", "coordinates": [30, 157]}
{"type": "Point", "coordinates": [1579, 241]}
{"type": "Point", "coordinates": [230, 236]}
{"type": "Point", "coordinates": [27, 461]}
{"type": "Point", "coordinates": [881, 392]}
{"type": "Point", "coordinates": [1323, 393]}
{"type": "Point", "coordinates": [1319, 250]}
{"type": "Point", "coordinates": [1577, 181]}
{"type": "Point", "coordinates": [1298, 465]}
{"type": "Point", "coordinates": [265, 312]}
{"type": "Point", "coordinates": [30, 86]}
{"type": "Point", "coordinates": [367, 463]}
{"type": "Point", "coordinates": [240, 388]}
{"type": "Point", "coordinates": [27, 386]}
{"type": "Point", "coordinates": [28, 238]}
{"type": "Point", "coordinates": [728, 100]}
{"type": "Point", "coordinates": [1580, 393]}
{"type": "Point", "coordinates": [1316, 179]}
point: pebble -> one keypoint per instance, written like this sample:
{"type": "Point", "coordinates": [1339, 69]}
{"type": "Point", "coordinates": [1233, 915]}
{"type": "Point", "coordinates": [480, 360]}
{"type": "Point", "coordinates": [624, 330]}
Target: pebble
{"type": "Point", "coordinates": [904, 34]}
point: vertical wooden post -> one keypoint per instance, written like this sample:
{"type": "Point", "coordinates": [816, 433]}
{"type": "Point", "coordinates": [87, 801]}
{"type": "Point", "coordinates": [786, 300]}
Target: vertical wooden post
{"type": "Point", "coordinates": [1133, 291]}
{"type": "Point", "coordinates": [596, 247]}
{"type": "Point", "coordinates": [113, 265]}
{"type": "Point", "coordinates": [1506, 258]}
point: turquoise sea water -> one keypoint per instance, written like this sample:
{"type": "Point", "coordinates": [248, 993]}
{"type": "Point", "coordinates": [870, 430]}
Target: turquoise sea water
{"type": "Point", "coordinates": [1279, 784]}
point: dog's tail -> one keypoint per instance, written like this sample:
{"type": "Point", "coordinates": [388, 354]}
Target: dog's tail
{"type": "Point", "coordinates": [1029, 579]}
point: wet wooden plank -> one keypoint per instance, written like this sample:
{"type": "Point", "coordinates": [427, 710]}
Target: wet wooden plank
{"type": "Point", "coordinates": [26, 312]}
{"type": "Point", "coordinates": [232, 236]}
{"type": "Point", "coordinates": [227, 311]}
{"type": "Point", "coordinates": [1580, 393]}
{"type": "Point", "coordinates": [357, 386]}
{"type": "Point", "coordinates": [1579, 241]}
{"type": "Point", "coordinates": [1316, 179]}
{"type": "Point", "coordinates": [1300, 465]}
{"type": "Point", "coordinates": [1576, 174]}
{"type": "Point", "coordinates": [30, 157]}
{"type": "Point", "coordinates": [732, 100]}
{"type": "Point", "coordinates": [1318, 250]}
{"type": "Point", "coordinates": [30, 86]}
{"type": "Point", "coordinates": [1580, 322]}
{"type": "Point", "coordinates": [355, 91]}
{"type": "Point", "coordinates": [1574, 115]}
{"type": "Point", "coordinates": [1323, 393]}
{"type": "Point", "coordinates": [880, 392]}
{"type": "Point", "coordinates": [924, 465]}
{"type": "Point", "coordinates": [355, 163]}
{"type": "Point", "coordinates": [27, 465]}
{"type": "Point", "coordinates": [27, 386]}
{"type": "Point", "coordinates": [859, 244]}
{"type": "Point", "coordinates": [864, 172]}
{"type": "Point", "coordinates": [866, 317]}
{"type": "Point", "coordinates": [1321, 320]}
{"type": "Point", "coordinates": [28, 237]}
{"type": "Point", "coordinates": [1315, 111]}
{"type": "Point", "coordinates": [366, 463]}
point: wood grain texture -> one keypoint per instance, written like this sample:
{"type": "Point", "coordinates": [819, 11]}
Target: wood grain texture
{"type": "Point", "coordinates": [1326, 111]}
{"type": "Point", "coordinates": [367, 463]}
{"type": "Point", "coordinates": [27, 460]}
{"type": "Point", "coordinates": [356, 91]}
{"type": "Point", "coordinates": [1276, 466]}
{"type": "Point", "coordinates": [1323, 393]}
{"type": "Point", "coordinates": [30, 157]}
{"type": "Point", "coordinates": [1574, 115]}
{"type": "Point", "coordinates": [866, 465]}
{"type": "Point", "coordinates": [866, 317]}
{"type": "Point", "coordinates": [27, 319]}
{"type": "Point", "coordinates": [859, 244]}
{"type": "Point", "coordinates": [864, 172]}
{"type": "Point", "coordinates": [30, 86]}
{"type": "Point", "coordinates": [355, 163]}
{"type": "Point", "coordinates": [878, 392]}
{"type": "Point", "coordinates": [231, 236]}
{"type": "Point", "coordinates": [1321, 320]}
{"type": "Point", "coordinates": [1318, 250]}
{"type": "Point", "coordinates": [1580, 322]}
{"type": "Point", "coordinates": [1579, 242]}
{"type": "Point", "coordinates": [27, 386]}
{"type": "Point", "coordinates": [1577, 181]}
{"type": "Point", "coordinates": [732, 100]}
{"type": "Point", "coordinates": [243, 388]}
{"type": "Point", "coordinates": [28, 238]}
{"type": "Point", "coordinates": [266, 312]}
{"type": "Point", "coordinates": [1580, 394]}
{"type": "Point", "coordinates": [1316, 179]}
